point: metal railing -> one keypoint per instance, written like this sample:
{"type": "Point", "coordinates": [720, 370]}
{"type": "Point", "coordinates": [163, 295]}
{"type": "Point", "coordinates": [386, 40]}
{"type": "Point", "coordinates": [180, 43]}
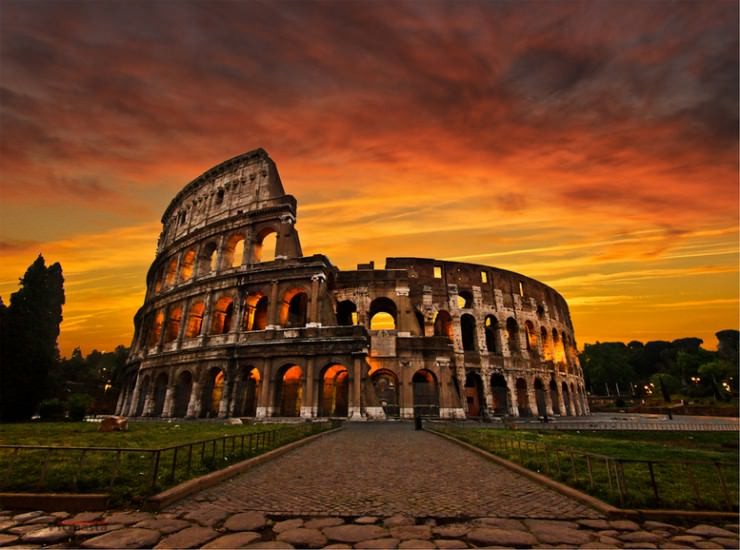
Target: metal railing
{"type": "Point", "coordinates": [136, 471]}
{"type": "Point", "coordinates": [682, 484]}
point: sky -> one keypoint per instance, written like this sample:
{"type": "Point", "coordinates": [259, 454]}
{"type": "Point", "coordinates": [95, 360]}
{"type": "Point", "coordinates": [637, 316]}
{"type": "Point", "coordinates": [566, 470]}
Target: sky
{"type": "Point", "coordinates": [590, 145]}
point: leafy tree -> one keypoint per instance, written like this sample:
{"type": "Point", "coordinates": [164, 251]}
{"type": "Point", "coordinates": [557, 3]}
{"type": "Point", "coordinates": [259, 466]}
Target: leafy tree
{"type": "Point", "coordinates": [606, 365]}
{"type": "Point", "coordinates": [28, 343]}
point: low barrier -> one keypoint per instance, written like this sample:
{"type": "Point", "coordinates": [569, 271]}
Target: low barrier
{"type": "Point", "coordinates": [135, 472]}
{"type": "Point", "coordinates": [680, 484]}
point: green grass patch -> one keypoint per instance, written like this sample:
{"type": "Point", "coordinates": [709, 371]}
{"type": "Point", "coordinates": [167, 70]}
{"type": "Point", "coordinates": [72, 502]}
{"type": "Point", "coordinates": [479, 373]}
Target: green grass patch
{"type": "Point", "coordinates": [135, 471]}
{"type": "Point", "coordinates": [629, 469]}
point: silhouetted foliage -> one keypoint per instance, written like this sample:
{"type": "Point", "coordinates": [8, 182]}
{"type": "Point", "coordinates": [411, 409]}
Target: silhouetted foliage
{"type": "Point", "coordinates": [29, 328]}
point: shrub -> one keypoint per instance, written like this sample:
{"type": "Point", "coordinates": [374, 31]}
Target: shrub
{"type": "Point", "coordinates": [51, 409]}
{"type": "Point", "coordinates": [77, 405]}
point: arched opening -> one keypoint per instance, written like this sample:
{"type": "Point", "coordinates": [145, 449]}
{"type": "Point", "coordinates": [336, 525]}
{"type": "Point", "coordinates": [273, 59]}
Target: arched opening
{"type": "Point", "coordinates": [465, 299]}
{"type": "Point", "coordinates": [346, 313]}
{"type": "Point", "coordinates": [555, 402]}
{"type": "Point", "coordinates": [512, 335]}
{"type": "Point", "coordinates": [492, 336]}
{"type": "Point", "coordinates": [474, 394]}
{"type": "Point", "coordinates": [426, 397]}
{"type": "Point", "coordinates": [469, 337]}
{"type": "Point", "coordinates": [294, 308]}
{"type": "Point", "coordinates": [247, 392]}
{"type": "Point", "coordinates": [174, 319]}
{"type": "Point", "coordinates": [522, 399]}
{"type": "Point", "coordinates": [195, 320]}
{"type": "Point", "coordinates": [334, 394]}
{"type": "Point", "coordinates": [160, 390]}
{"type": "Point", "coordinates": [255, 311]}
{"type": "Point", "coordinates": [443, 325]}
{"type": "Point", "coordinates": [170, 273]}
{"type": "Point", "coordinates": [540, 312]}
{"type": "Point", "coordinates": [566, 399]}
{"type": "Point", "coordinates": [183, 389]}
{"type": "Point", "coordinates": [385, 383]}
{"type": "Point", "coordinates": [531, 339]}
{"type": "Point", "coordinates": [546, 352]}
{"type": "Point", "coordinates": [289, 391]}
{"type": "Point", "coordinates": [158, 279]}
{"type": "Point", "coordinates": [187, 264]}
{"type": "Point", "coordinates": [233, 253]}
{"type": "Point", "coordinates": [420, 321]}
{"type": "Point", "coordinates": [222, 314]}
{"type": "Point", "coordinates": [499, 390]}
{"type": "Point", "coordinates": [540, 398]}
{"type": "Point", "coordinates": [155, 330]}
{"type": "Point", "coordinates": [265, 246]}
{"type": "Point", "coordinates": [207, 259]}
{"type": "Point", "coordinates": [383, 314]}
{"type": "Point", "coordinates": [557, 349]}
{"type": "Point", "coordinates": [143, 392]}
{"type": "Point", "coordinates": [212, 392]}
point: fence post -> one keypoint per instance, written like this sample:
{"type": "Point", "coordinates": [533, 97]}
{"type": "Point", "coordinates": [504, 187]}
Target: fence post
{"type": "Point", "coordinates": [174, 464]}
{"type": "Point", "coordinates": [590, 472]}
{"type": "Point", "coordinates": [190, 457]}
{"type": "Point", "coordinates": [155, 468]}
{"type": "Point", "coordinates": [652, 482]}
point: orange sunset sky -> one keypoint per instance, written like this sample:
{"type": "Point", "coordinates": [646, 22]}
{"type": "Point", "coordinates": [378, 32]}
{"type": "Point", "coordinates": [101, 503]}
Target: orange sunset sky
{"type": "Point", "coordinates": [590, 145]}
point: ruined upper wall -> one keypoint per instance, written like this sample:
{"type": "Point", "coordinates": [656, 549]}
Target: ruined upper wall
{"type": "Point", "coordinates": [238, 186]}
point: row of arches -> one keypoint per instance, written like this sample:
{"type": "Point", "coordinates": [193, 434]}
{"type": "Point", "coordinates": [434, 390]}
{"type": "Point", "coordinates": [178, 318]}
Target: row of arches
{"type": "Point", "coordinates": [224, 316]}
{"type": "Point", "coordinates": [208, 257]}
{"type": "Point", "coordinates": [537, 398]}
{"type": "Point", "coordinates": [214, 396]}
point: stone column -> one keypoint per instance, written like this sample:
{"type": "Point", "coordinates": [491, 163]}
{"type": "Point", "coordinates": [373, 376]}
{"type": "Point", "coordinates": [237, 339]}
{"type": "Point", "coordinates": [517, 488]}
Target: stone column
{"type": "Point", "coordinates": [169, 398]}
{"type": "Point", "coordinates": [234, 392]}
{"type": "Point", "coordinates": [559, 397]}
{"type": "Point", "coordinates": [194, 404]}
{"type": "Point", "coordinates": [406, 392]}
{"type": "Point", "coordinates": [220, 254]}
{"type": "Point", "coordinates": [134, 398]}
{"type": "Point", "coordinates": [532, 398]}
{"type": "Point", "coordinates": [183, 321]}
{"type": "Point", "coordinates": [272, 308]}
{"type": "Point", "coordinates": [313, 311]}
{"type": "Point", "coordinates": [264, 407]}
{"type": "Point", "coordinates": [548, 399]}
{"type": "Point", "coordinates": [511, 395]}
{"type": "Point", "coordinates": [308, 409]}
{"type": "Point", "coordinates": [149, 398]}
{"type": "Point", "coordinates": [355, 411]}
{"type": "Point", "coordinates": [205, 328]}
{"type": "Point", "coordinates": [487, 394]}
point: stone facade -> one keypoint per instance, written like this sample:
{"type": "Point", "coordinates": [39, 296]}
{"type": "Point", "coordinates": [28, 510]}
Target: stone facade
{"type": "Point", "coordinates": [237, 322]}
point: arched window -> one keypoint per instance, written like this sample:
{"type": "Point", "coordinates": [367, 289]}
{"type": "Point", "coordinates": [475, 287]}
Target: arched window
{"type": "Point", "coordinates": [233, 252]}
{"type": "Point", "coordinates": [195, 320]}
{"type": "Point", "coordinates": [465, 299]}
{"type": "Point", "coordinates": [512, 331]}
{"type": "Point", "coordinates": [170, 273]}
{"type": "Point", "coordinates": [385, 383]}
{"type": "Point", "coordinates": [174, 318]}
{"type": "Point", "coordinates": [469, 337]}
{"type": "Point", "coordinates": [443, 325]}
{"type": "Point", "coordinates": [531, 337]}
{"type": "Point", "coordinates": [334, 396]}
{"type": "Point", "coordinates": [426, 396]}
{"type": "Point", "coordinates": [383, 314]}
{"type": "Point", "coordinates": [492, 337]}
{"type": "Point", "coordinates": [155, 330]}
{"type": "Point", "coordinates": [546, 352]}
{"type": "Point", "coordinates": [219, 198]}
{"type": "Point", "coordinates": [265, 245]}
{"type": "Point", "coordinates": [247, 392]}
{"type": "Point", "coordinates": [289, 391]}
{"type": "Point", "coordinates": [255, 314]}
{"type": "Point", "coordinates": [294, 308]}
{"type": "Point", "coordinates": [346, 313]}
{"type": "Point", "coordinates": [207, 259]}
{"type": "Point", "coordinates": [186, 265]}
{"type": "Point", "coordinates": [212, 393]}
{"type": "Point", "coordinates": [222, 315]}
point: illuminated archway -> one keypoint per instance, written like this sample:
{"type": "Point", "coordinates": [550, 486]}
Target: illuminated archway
{"type": "Point", "coordinates": [183, 389]}
{"type": "Point", "coordinates": [170, 273]}
{"type": "Point", "coordinates": [383, 314]}
{"type": "Point", "coordinates": [195, 320]}
{"type": "Point", "coordinates": [293, 311]}
{"type": "Point", "coordinates": [474, 394]}
{"type": "Point", "coordinates": [443, 325]}
{"type": "Point", "coordinates": [155, 331]}
{"type": "Point", "coordinates": [334, 391]}
{"type": "Point", "coordinates": [469, 336]}
{"type": "Point", "coordinates": [212, 393]}
{"type": "Point", "coordinates": [426, 396]}
{"type": "Point", "coordinates": [247, 392]}
{"type": "Point", "coordinates": [187, 264]}
{"type": "Point", "coordinates": [265, 246]}
{"type": "Point", "coordinates": [223, 312]}
{"type": "Point", "coordinates": [289, 391]}
{"type": "Point", "coordinates": [255, 314]}
{"type": "Point", "coordinates": [346, 313]}
{"type": "Point", "coordinates": [385, 383]}
{"type": "Point", "coordinates": [174, 318]}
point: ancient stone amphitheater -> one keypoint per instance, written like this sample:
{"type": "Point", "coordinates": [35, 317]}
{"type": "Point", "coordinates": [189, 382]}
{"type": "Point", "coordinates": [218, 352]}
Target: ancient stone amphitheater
{"type": "Point", "coordinates": [237, 322]}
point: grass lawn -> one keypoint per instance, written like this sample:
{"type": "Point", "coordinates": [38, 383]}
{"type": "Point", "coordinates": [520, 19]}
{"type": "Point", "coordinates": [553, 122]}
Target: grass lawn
{"type": "Point", "coordinates": [683, 463]}
{"type": "Point", "coordinates": [137, 470]}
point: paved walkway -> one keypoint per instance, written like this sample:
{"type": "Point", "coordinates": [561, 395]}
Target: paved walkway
{"type": "Point", "coordinates": [368, 486]}
{"type": "Point", "coordinates": [384, 469]}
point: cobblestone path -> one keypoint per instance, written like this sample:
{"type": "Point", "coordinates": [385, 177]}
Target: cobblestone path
{"type": "Point", "coordinates": [384, 469]}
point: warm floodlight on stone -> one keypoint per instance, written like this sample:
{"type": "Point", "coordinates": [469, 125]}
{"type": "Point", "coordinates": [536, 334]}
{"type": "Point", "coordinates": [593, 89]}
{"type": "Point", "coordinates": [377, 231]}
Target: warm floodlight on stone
{"type": "Point", "coordinates": [237, 322]}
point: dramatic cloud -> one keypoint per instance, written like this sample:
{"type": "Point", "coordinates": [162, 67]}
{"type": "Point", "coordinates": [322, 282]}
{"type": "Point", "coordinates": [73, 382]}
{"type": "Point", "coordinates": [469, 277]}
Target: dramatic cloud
{"type": "Point", "coordinates": [590, 144]}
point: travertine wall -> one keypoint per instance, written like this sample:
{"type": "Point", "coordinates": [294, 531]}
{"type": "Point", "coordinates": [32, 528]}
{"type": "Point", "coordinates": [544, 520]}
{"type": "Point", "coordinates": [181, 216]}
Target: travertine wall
{"type": "Point", "coordinates": [230, 330]}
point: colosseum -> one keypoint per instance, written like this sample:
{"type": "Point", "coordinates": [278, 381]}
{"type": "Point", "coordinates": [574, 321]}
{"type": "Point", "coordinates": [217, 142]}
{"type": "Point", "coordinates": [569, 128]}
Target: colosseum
{"type": "Point", "coordinates": [237, 322]}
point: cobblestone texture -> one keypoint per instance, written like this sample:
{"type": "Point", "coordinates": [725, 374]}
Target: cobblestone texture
{"type": "Point", "coordinates": [383, 469]}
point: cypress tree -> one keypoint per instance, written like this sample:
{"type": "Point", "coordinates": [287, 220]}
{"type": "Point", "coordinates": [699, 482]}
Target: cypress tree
{"type": "Point", "coordinates": [29, 328]}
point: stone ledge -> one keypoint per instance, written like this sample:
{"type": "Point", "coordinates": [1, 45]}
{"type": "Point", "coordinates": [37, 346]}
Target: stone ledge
{"type": "Point", "coordinates": [165, 498]}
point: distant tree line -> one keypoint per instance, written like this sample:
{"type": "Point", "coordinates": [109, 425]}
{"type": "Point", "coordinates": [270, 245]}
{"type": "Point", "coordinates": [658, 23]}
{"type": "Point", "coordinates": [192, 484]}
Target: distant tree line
{"type": "Point", "coordinates": [33, 378]}
{"type": "Point", "coordinates": [678, 367]}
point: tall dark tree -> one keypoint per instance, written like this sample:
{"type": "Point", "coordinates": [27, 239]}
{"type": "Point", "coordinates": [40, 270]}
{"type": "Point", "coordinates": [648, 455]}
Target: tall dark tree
{"type": "Point", "coordinates": [29, 329]}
